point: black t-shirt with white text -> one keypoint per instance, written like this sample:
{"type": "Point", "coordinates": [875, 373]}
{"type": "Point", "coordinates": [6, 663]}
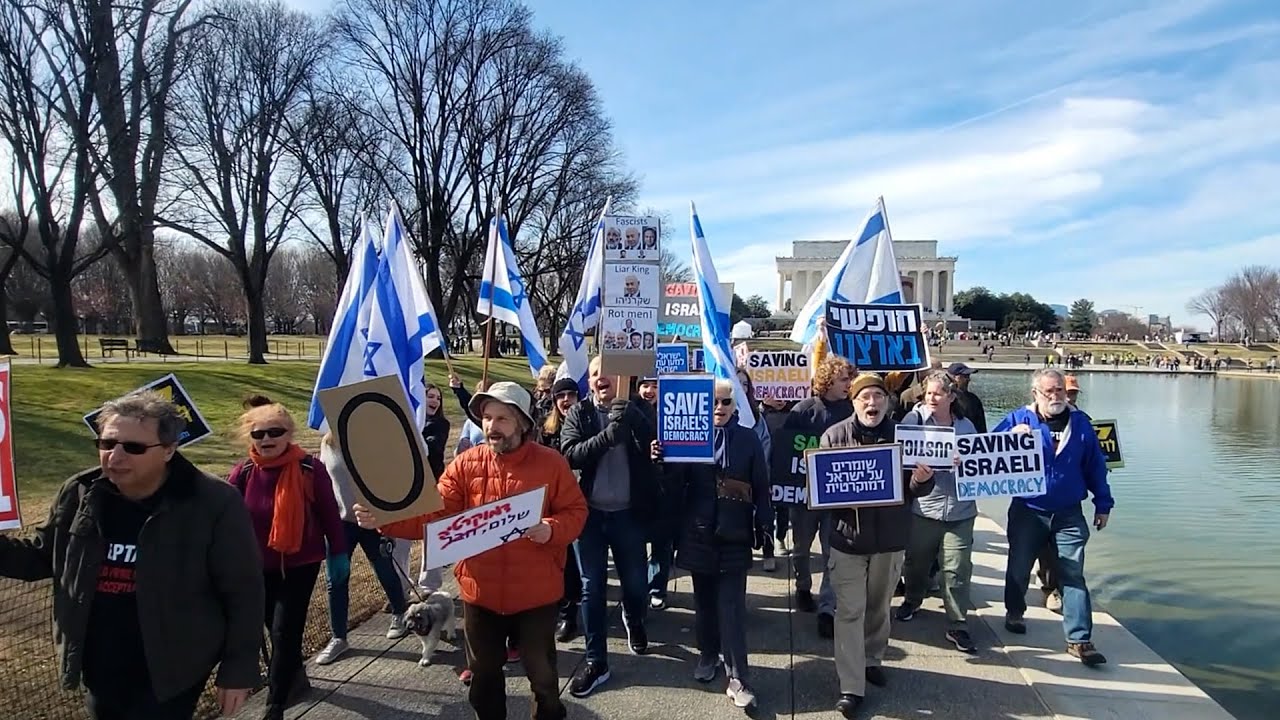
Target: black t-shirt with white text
{"type": "Point", "coordinates": [114, 661]}
{"type": "Point", "coordinates": [1058, 426]}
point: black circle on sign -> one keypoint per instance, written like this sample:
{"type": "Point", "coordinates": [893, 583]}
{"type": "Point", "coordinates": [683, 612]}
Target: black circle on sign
{"type": "Point", "coordinates": [419, 467]}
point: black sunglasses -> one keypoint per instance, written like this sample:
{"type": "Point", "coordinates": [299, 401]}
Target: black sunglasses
{"type": "Point", "coordinates": [130, 446]}
{"type": "Point", "coordinates": [274, 432]}
{"type": "Point", "coordinates": [724, 402]}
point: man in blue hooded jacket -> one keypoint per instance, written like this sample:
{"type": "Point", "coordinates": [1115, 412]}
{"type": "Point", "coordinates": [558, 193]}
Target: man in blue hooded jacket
{"type": "Point", "coordinates": [1075, 467]}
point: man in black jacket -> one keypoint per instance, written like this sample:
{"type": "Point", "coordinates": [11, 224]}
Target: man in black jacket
{"type": "Point", "coordinates": [607, 439]}
{"type": "Point", "coordinates": [867, 550]}
{"type": "Point", "coordinates": [156, 573]}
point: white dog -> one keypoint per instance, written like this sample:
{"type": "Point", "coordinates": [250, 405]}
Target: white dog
{"type": "Point", "coordinates": [431, 620]}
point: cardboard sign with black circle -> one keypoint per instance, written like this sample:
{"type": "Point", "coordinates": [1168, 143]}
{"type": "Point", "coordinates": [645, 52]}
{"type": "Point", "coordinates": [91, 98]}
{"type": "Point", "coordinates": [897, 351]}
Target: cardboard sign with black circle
{"type": "Point", "coordinates": [382, 447]}
{"type": "Point", "coordinates": [171, 389]}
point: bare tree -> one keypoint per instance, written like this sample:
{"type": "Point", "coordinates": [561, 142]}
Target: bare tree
{"type": "Point", "coordinates": [316, 289]}
{"type": "Point", "coordinates": [9, 259]}
{"type": "Point", "coordinates": [101, 299]}
{"type": "Point", "coordinates": [1246, 296]}
{"type": "Point", "coordinates": [179, 263]}
{"type": "Point", "coordinates": [239, 191]}
{"type": "Point", "coordinates": [1212, 304]}
{"type": "Point", "coordinates": [45, 115]}
{"type": "Point", "coordinates": [129, 54]}
{"type": "Point", "coordinates": [346, 163]}
{"type": "Point", "coordinates": [282, 298]}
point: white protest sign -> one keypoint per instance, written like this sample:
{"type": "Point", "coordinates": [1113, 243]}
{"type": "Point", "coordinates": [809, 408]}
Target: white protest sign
{"type": "Point", "coordinates": [779, 374]}
{"type": "Point", "coordinates": [931, 446]}
{"type": "Point", "coordinates": [482, 528]}
{"type": "Point", "coordinates": [1004, 464]}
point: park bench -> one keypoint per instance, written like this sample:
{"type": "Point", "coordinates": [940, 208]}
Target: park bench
{"type": "Point", "coordinates": [110, 345]}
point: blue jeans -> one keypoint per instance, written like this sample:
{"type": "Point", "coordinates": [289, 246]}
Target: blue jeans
{"type": "Point", "coordinates": [661, 550]}
{"type": "Point", "coordinates": [620, 533]}
{"type": "Point", "coordinates": [388, 577]}
{"type": "Point", "coordinates": [1028, 531]}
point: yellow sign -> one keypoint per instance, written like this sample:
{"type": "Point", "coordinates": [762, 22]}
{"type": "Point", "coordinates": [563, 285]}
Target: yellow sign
{"type": "Point", "coordinates": [1109, 439]}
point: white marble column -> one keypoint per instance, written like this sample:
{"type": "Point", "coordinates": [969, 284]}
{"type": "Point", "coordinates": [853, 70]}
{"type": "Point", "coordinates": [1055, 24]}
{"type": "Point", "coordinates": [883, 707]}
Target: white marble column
{"type": "Point", "coordinates": [782, 281]}
{"type": "Point", "coordinates": [799, 289]}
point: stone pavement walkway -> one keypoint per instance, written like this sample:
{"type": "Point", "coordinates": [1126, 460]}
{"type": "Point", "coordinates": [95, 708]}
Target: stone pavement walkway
{"type": "Point", "coordinates": [1022, 678]}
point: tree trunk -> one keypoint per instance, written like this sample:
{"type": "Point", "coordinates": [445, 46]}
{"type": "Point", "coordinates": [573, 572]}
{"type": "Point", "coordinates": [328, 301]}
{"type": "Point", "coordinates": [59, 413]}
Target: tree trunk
{"type": "Point", "coordinates": [64, 324]}
{"type": "Point", "coordinates": [148, 309]}
{"type": "Point", "coordinates": [257, 321]}
{"type": "Point", "coordinates": [6, 343]}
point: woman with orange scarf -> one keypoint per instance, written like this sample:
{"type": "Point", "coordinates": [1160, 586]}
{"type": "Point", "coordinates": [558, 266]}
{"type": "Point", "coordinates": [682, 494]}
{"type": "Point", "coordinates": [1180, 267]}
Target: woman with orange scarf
{"type": "Point", "coordinates": [290, 499]}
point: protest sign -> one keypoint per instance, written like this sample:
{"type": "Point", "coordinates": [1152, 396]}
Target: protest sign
{"type": "Point", "coordinates": [171, 389]}
{"type": "Point", "coordinates": [631, 285]}
{"type": "Point", "coordinates": [672, 358]}
{"type": "Point", "coordinates": [632, 277]}
{"type": "Point", "coordinates": [1109, 439]}
{"type": "Point", "coordinates": [1006, 464]}
{"type": "Point", "coordinates": [382, 448]}
{"type": "Point", "coordinates": [788, 470]}
{"type": "Point", "coordinates": [481, 528]}
{"type": "Point", "coordinates": [779, 374]}
{"type": "Point", "coordinates": [878, 337]}
{"type": "Point", "coordinates": [631, 238]}
{"type": "Point", "coordinates": [680, 315]}
{"type": "Point", "coordinates": [10, 512]}
{"type": "Point", "coordinates": [685, 421]}
{"type": "Point", "coordinates": [697, 360]}
{"type": "Point", "coordinates": [869, 476]}
{"type": "Point", "coordinates": [930, 445]}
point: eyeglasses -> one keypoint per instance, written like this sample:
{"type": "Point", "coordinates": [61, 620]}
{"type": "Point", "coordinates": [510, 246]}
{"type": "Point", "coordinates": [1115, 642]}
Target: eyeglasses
{"type": "Point", "coordinates": [130, 446]}
{"type": "Point", "coordinates": [274, 432]}
{"type": "Point", "coordinates": [724, 402]}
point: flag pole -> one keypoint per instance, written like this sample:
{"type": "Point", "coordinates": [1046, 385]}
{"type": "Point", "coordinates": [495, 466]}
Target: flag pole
{"type": "Point", "coordinates": [489, 275]}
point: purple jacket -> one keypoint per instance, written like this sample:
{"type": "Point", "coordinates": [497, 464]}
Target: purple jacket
{"type": "Point", "coordinates": [258, 486]}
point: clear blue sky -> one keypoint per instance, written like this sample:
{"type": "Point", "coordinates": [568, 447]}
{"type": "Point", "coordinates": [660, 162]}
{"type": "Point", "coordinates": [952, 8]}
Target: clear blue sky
{"type": "Point", "coordinates": [1128, 152]}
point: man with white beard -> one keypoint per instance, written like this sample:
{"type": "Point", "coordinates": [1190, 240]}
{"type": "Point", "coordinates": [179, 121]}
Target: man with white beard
{"type": "Point", "coordinates": [1074, 468]}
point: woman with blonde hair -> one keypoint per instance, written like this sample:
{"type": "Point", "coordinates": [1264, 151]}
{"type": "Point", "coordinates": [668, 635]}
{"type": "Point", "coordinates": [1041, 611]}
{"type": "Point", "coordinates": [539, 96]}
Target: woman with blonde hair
{"type": "Point", "coordinates": [290, 499]}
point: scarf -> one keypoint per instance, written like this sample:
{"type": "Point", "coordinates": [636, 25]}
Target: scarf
{"type": "Point", "coordinates": [293, 492]}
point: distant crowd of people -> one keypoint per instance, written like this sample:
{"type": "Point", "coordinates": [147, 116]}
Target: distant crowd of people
{"type": "Point", "coordinates": [165, 575]}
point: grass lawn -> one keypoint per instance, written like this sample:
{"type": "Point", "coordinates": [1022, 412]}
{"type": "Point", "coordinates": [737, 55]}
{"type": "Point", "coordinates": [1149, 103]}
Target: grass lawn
{"type": "Point", "coordinates": [51, 441]}
{"type": "Point", "coordinates": [284, 346]}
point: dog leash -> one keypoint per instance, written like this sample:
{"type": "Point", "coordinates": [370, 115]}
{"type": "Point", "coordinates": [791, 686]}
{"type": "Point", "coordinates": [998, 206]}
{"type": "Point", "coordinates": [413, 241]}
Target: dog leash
{"type": "Point", "coordinates": [387, 547]}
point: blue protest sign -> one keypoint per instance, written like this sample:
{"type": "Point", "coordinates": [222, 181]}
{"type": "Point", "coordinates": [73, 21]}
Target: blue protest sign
{"type": "Point", "coordinates": [672, 358]}
{"type": "Point", "coordinates": [685, 421]}
{"type": "Point", "coordinates": [855, 477]}
{"type": "Point", "coordinates": [697, 362]}
{"type": "Point", "coordinates": [878, 337]}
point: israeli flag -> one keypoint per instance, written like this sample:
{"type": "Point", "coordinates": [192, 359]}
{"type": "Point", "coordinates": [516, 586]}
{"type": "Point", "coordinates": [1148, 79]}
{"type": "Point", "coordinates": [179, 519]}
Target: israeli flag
{"type": "Point", "coordinates": [343, 361]}
{"type": "Point", "coordinates": [867, 272]}
{"type": "Point", "coordinates": [403, 328]}
{"type": "Point", "coordinates": [585, 314]}
{"type": "Point", "coordinates": [505, 297]}
{"type": "Point", "coordinates": [713, 309]}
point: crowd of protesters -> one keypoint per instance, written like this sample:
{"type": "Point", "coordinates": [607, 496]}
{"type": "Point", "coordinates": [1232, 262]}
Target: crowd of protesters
{"type": "Point", "coordinates": [165, 575]}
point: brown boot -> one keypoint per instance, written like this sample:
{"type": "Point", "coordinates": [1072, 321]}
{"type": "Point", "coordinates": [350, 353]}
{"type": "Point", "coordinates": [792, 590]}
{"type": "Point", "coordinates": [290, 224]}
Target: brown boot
{"type": "Point", "coordinates": [1087, 653]}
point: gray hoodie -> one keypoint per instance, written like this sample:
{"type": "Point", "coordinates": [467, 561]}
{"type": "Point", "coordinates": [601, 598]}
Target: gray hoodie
{"type": "Point", "coordinates": [941, 503]}
{"type": "Point", "coordinates": [343, 487]}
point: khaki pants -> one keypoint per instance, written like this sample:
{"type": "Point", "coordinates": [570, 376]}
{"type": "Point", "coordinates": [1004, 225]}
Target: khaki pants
{"type": "Point", "coordinates": [863, 586]}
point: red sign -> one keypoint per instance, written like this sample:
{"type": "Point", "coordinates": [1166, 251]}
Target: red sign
{"type": "Point", "coordinates": [10, 517]}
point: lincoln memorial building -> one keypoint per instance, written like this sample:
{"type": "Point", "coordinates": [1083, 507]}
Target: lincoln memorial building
{"type": "Point", "coordinates": [926, 278]}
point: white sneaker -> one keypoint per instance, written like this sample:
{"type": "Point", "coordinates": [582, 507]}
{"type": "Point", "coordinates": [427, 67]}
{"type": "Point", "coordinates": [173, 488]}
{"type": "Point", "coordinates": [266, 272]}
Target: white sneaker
{"type": "Point", "coordinates": [332, 651]}
{"type": "Point", "coordinates": [398, 628]}
{"type": "Point", "coordinates": [740, 694]}
{"type": "Point", "coordinates": [1054, 602]}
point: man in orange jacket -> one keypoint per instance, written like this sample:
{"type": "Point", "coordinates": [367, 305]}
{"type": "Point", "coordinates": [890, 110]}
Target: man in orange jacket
{"type": "Point", "coordinates": [514, 589]}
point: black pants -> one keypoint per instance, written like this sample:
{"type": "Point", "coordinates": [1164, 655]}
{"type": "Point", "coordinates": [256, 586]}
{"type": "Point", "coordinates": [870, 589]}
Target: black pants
{"type": "Point", "coordinates": [486, 636]}
{"type": "Point", "coordinates": [572, 587]}
{"type": "Point", "coordinates": [1047, 558]}
{"type": "Point", "coordinates": [288, 597]}
{"type": "Point", "coordinates": [143, 706]}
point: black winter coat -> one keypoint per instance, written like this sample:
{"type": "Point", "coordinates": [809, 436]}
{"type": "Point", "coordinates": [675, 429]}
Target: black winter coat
{"type": "Point", "coordinates": [584, 440]}
{"type": "Point", "coordinates": [700, 549]}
